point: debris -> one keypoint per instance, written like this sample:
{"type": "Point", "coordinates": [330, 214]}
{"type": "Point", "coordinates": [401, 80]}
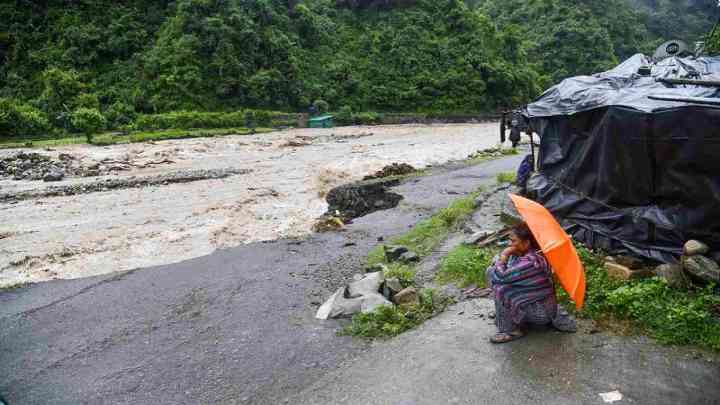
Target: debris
{"type": "Point", "coordinates": [694, 247]}
{"type": "Point", "coordinates": [610, 397]}
{"type": "Point", "coordinates": [408, 296]}
{"type": "Point", "coordinates": [476, 292]}
{"type": "Point", "coordinates": [367, 285]}
{"type": "Point", "coordinates": [395, 169]}
{"type": "Point", "coordinates": [358, 296]}
{"type": "Point", "coordinates": [393, 253]}
{"type": "Point", "coordinates": [673, 274]}
{"type": "Point", "coordinates": [477, 237]}
{"type": "Point", "coordinates": [702, 268]}
{"type": "Point", "coordinates": [328, 223]}
{"type": "Point", "coordinates": [337, 305]}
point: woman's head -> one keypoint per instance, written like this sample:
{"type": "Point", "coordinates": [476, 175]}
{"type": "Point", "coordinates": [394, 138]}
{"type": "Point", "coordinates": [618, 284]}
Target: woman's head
{"type": "Point", "coordinates": [522, 239]}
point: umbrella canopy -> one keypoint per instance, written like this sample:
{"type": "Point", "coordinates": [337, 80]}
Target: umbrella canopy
{"type": "Point", "coordinates": [556, 245]}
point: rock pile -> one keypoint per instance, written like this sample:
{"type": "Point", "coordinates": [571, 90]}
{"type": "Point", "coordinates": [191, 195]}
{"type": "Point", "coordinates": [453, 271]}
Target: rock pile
{"type": "Point", "coordinates": [696, 263]}
{"type": "Point", "coordinates": [34, 166]}
{"type": "Point", "coordinates": [366, 294]}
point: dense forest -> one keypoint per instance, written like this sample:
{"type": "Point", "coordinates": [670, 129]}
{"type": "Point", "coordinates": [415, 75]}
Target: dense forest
{"type": "Point", "coordinates": [77, 64]}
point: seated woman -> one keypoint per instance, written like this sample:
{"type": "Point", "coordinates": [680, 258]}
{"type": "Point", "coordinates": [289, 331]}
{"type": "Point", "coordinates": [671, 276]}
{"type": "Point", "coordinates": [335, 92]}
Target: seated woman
{"type": "Point", "coordinates": [523, 288]}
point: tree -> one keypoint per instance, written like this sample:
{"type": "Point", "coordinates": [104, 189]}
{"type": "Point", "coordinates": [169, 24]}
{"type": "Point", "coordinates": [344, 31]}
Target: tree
{"type": "Point", "coordinates": [89, 121]}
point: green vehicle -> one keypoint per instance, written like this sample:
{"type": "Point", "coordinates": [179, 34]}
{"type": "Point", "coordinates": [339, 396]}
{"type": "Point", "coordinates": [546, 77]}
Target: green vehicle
{"type": "Point", "coordinates": [323, 121]}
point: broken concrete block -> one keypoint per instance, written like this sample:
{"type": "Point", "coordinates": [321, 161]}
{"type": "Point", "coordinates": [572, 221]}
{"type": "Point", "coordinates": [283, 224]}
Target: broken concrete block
{"type": "Point", "coordinates": [620, 272]}
{"type": "Point", "coordinates": [694, 247]}
{"type": "Point", "coordinates": [394, 285]}
{"type": "Point", "coordinates": [337, 305]}
{"type": "Point", "coordinates": [408, 296]}
{"type": "Point", "coordinates": [393, 253]}
{"type": "Point", "coordinates": [372, 302]}
{"type": "Point", "coordinates": [673, 274]}
{"type": "Point", "coordinates": [368, 285]}
{"type": "Point", "coordinates": [409, 257]}
{"type": "Point", "coordinates": [702, 268]}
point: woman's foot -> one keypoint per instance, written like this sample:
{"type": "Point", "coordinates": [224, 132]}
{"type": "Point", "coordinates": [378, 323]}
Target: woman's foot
{"type": "Point", "coordinates": [506, 337]}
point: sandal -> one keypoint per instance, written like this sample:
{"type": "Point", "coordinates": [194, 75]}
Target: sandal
{"type": "Point", "coordinates": [500, 338]}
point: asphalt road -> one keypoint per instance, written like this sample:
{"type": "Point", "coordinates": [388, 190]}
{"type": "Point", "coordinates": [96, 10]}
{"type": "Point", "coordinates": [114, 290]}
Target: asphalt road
{"type": "Point", "coordinates": [449, 360]}
{"type": "Point", "coordinates": [234, 327]}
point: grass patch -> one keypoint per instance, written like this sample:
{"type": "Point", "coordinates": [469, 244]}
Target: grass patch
{"type": "Point", "coordinates": [387, 322]}
{"type": "Point", "coordinates": [466, 265]}
{"type": "Point", "coordinates": [428, 234]}
{"type": "Point", "coordinates": [507, 177]}
{"type": "Point", "coordinates": [422, 239]}
{"type": "Point", "coordinates": [650, 306]}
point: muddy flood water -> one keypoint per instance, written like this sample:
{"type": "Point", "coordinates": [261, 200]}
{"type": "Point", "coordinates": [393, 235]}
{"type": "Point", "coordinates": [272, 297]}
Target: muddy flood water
{"type": "Point", "coordinates": [270, 186]}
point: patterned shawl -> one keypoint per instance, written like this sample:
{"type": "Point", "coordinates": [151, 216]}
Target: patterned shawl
{"type": "Point", "coordinates": [523, 280]}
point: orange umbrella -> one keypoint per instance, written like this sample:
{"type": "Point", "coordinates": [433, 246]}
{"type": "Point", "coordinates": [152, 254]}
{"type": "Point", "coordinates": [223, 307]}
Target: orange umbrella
{"type": "Point", "coordinates": [556, 245]}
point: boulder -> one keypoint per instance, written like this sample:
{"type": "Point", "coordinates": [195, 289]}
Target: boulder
{"type": "Point", "coordinates": [54, 175]}
{"type": "Point", "coordinates": [674, 275]}
{"type": "Point", "coordinates": [408, 296]}
{"type": "Point", "coordinates": [694, 247]}
{"type": "Point", "coordinates": [701, 268]}
{"type": "Point", "coordinates": [393, 253]}
{"type": "Point", "coordinates": [618, 271]}
{"type": "Point", "coordinates": [368, 285]}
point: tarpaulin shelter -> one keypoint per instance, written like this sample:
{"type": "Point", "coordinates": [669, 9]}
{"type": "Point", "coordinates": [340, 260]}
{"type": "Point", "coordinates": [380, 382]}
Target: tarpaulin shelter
{"type": "Point", "coordinates": [627, 169]}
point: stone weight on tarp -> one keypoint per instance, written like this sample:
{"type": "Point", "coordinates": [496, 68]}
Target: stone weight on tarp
{"type": "Point", "coordinates": [673, 274]}
{"type": "Point", "coordinates": [694, 247]}
{"type": "Point", "coordinates": [702, 268]}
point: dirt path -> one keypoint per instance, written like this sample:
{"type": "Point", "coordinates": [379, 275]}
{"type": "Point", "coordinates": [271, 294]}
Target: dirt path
{"type": "Point", "coordinates": [288, 173]}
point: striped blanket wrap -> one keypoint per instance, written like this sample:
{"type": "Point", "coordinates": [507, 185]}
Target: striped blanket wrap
{"type": "Point", "coordinates": [522, 281]}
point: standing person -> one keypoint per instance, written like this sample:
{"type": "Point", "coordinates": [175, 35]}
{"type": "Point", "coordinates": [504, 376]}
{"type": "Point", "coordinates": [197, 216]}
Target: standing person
{"type": "Point", "coordinates": [523, 289]}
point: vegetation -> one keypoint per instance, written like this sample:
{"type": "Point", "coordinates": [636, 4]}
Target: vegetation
{"type": "Point", "coordinates": [669, 315]}
{"type": "Point", "coordinates": [392, 321]}
{"type": "Point", "coordinates": [427, 235]}
{"type": "Point", "coordinates": [466, 265]}
{"type": "Point", "coordinates": [507, 177]}
{"type": "Point", "coordinates": [139, 62]}
{"type": "Point", "coordinates": [650, 306]}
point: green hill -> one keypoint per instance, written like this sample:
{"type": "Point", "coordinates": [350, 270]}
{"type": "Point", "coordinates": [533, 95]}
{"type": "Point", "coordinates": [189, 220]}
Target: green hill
{"type": "Point", "coordinates": [129, 57]}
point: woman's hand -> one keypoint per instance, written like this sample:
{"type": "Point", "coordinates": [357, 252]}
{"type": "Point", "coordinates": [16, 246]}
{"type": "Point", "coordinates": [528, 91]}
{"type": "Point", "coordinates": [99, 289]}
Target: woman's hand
{"type": "Point", "coordinates": [506, 253]}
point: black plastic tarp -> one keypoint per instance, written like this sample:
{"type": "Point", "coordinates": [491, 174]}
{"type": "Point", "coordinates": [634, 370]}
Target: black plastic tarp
{"type": "Point", "coordinates": [627, 173]}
